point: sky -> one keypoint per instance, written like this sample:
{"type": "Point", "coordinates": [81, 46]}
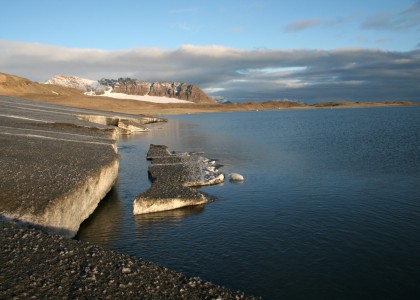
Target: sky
{"type": "Point", "coordinates": [300, 50]}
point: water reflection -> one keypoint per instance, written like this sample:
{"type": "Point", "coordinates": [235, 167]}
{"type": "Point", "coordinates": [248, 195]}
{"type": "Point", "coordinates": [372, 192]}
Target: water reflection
{"type": "Point", "coordinates": [101, 226]}
{"type": "Point", "coordinates": [145, 221]}
{"type": "Point", "coordinates": [113, 220]}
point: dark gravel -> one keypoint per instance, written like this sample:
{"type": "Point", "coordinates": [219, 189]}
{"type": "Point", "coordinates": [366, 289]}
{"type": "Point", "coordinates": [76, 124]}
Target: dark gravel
{"type": "Point", "coordinates": [37, 265]}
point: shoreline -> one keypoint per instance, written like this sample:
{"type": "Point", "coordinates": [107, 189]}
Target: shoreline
{"type": "Point", "coordinates": [14, 86]}
{"type": "Point", "coordinates": [127, 106]}
{"type": "Point", "coordinates": [54, 164]}
{"type": "Point", "coordinates": [39, 264]}
{"type": "Point", "coordinates": [36, 240]}
{"type": "Point", "coordinates": [57, 165]}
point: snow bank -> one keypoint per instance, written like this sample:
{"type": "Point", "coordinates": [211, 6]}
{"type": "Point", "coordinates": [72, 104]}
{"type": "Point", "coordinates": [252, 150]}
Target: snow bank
{"type": "Point", "coordinates": [146, 98]}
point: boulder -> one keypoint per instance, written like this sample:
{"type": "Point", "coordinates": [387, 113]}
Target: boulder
{"type": "Point", "coordinates": [235, 177]}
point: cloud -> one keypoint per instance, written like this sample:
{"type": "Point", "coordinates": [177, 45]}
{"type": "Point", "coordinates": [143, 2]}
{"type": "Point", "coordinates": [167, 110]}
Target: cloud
{"type": "Point", "coordinates": [311, 23]}
{"type": "Point", "coordinates": [383, 21]}
{"type": "Point", "coordinates": [303, 25]}
{"type": "Point", "coordinates": [395, 21]}
{"type": "Point", "coordinates": [239, 75]}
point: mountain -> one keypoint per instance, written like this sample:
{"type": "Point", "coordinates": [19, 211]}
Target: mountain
{"type": "Point", "coordinates": [129, 86]}
{"type": "Point", "coordinates": [82, 84]}
{"type": "Point", "coordinates": [12, 85]}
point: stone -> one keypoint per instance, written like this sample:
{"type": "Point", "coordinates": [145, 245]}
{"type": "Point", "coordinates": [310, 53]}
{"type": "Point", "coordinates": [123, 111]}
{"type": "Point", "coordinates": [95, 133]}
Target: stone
{"type": "Point", "coordinates": [162, 197]}
{"type": "Point", "coordinates": [26, 274]}
{"type": "Point", "coordinates": [172, 176]}
{"type": "Point", "coordinates": [235, 177]}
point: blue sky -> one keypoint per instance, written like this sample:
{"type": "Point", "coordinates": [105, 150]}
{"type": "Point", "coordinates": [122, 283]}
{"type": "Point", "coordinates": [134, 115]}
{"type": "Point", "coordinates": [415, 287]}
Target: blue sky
{"type": "Point", "coordinates": [247, 25]}
{"type": "Point", "coordinates": [237, 45]}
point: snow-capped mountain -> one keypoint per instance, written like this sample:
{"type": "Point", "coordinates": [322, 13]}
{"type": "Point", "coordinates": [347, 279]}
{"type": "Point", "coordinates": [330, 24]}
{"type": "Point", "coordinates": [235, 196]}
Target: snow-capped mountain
{"type": "Point", "coordinates": [128, 86]}
{"type": "Point", "coordinates": [83, 84]}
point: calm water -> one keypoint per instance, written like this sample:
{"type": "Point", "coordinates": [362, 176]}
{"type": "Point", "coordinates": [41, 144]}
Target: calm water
{"type": "Point", "coordinates": [330, 206]}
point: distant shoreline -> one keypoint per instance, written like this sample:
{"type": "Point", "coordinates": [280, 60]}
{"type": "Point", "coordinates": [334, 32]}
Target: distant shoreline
{"type": "Point", "coordinates": [14, 86]}
{"type": "Point", "coordinates": [158, 109]}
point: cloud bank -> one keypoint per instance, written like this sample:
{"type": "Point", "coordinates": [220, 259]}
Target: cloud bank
{"type": "Point", "coordinates": [239, 75]}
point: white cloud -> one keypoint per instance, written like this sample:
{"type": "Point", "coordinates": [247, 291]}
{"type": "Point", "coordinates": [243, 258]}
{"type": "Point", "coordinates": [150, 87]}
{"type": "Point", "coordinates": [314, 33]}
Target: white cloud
{"type": "Point", "coordinates": [212, 90]}
{"type": "Point", "coordinates": [240, 75]}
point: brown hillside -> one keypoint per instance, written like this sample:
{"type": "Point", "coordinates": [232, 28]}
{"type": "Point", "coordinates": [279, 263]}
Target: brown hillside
{"type": "Point", "coordinates": [12, 85]}
{"type": "Point", "coordinates": [15, 86]}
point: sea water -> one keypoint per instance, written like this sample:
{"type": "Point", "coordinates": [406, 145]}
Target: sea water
{"type": "Point", "coordinates": [329, 209]}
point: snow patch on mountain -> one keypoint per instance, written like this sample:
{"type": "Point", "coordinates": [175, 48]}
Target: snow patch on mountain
{"type": "Point", "coordinates": [155, 99]}
{"type": "Point", "coordinates": [82, 84]}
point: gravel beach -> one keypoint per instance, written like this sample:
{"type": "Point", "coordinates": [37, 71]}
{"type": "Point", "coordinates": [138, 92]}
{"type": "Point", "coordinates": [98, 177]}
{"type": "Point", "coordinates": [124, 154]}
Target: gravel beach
{"type": "Point", "coordinates": [35, 264]}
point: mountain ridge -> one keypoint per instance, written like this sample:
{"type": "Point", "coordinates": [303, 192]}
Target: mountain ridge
{"type": "Point", "coordinates": [130, 86]}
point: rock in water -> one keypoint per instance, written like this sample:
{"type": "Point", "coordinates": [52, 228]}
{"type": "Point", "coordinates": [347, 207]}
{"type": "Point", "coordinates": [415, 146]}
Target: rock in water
{"type": "Point", "coordinates": [172, 176]}
{"type": "Point", "coordinates": [235, 177]}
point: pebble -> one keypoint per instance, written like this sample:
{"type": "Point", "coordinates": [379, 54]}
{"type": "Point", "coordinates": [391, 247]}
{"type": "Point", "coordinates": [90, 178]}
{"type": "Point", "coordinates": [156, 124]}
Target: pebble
{"type": "Point", "coordinates": [83, 276]}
